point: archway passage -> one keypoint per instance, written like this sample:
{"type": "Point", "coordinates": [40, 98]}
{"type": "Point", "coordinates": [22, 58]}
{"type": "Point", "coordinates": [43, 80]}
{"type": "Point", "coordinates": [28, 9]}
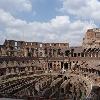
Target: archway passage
{"type": "Point", "coordinates": [62, 65]}
{"type": "Point", "coordinates": [29, 54]}
{"type": "Point", "coordinates": [66, 65]}
{"type": "Point", "coordinates": [50, 65]}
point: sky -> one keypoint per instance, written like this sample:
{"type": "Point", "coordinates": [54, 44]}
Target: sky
{"type": "Point", "coordinates": [48, 20]}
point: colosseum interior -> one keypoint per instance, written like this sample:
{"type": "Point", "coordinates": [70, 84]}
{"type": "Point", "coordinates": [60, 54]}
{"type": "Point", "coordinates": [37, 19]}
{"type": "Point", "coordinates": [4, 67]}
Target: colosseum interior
{"type": "Point", "coordinates": [51, 71]}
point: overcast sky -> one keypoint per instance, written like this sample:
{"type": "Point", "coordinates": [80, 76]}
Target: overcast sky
{"type": "Point", "coordinates": [48, 20]}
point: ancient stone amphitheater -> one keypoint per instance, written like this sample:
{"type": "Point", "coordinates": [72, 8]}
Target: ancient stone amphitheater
{"type": "Point", "coordinates": [51, 71]}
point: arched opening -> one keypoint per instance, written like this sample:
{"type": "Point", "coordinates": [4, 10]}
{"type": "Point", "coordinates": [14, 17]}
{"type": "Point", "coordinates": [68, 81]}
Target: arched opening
{"type": "Point", "coordinates": [65, 65]}
{"type": "Point", "coordinates": [29, 54]}
{"type": "Point", "coordinates": [75, 55]}
{"type": "Point", "coordinates": [50, 65]}
{"type": "Point", "coordinates": [62, 65]}
{"type": "Point", "coordinates": [65, 78]}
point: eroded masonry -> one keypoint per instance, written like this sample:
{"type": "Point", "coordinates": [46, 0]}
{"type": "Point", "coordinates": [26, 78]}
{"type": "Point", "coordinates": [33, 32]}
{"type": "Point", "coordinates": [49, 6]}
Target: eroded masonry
{"type": "Point", "coordinates": [47, 71]}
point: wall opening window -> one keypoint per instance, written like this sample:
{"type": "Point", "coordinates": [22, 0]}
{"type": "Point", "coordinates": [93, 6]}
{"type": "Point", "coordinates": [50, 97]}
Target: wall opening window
{"type": "Point", "coordinates": [40, 45]}
{"type": "Point", "coordinates": [78, 54]}
{"type": "Point", "coordinates": [62, 65]}
{"type": "Point", "coordinates": [54, 44]}
{"type": "Point", "coordinates": [62, 90]}
{"type": "Point", "coordinates": [75, 55]}
{"type": "Point", "coordinates": [15, 43]}
{"type": "Point", "coordinates": [82, 54]}
{"type": "Point", "coordinates": [65, 65]}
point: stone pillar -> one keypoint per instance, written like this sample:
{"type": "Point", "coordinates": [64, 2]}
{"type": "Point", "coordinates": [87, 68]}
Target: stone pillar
{"type": "Point", "coordinates": [17, 70]}
{"type": "Point", "coordinates": [7, 71]}
{"type": "Point", "coordinates": [12, 70]}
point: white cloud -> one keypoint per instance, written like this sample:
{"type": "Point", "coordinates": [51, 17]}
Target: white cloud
{"type": "Point", "coordinates": [58, 29]}
{"type": "Point", "coordinates": [14, 6]}
{"type": "Point", "coordinates": [2, 37]}
{"type": "Point", "coordinates": [85, 9]}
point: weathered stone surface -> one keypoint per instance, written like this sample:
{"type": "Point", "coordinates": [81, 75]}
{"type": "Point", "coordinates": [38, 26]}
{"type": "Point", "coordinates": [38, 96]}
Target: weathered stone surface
{"type": "Point", "coordinates": [51, 70]}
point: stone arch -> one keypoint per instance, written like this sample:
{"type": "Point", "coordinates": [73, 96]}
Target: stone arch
{"type": "Point", "coordinates": [75, 86]}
